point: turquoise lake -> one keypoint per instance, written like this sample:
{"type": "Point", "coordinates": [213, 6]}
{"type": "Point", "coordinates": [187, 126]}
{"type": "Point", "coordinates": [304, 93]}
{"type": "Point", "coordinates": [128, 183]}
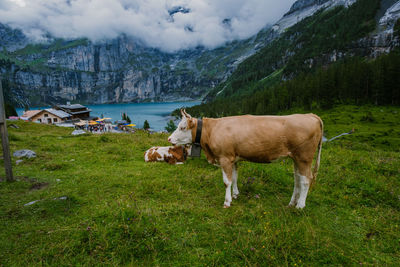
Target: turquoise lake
{"type": "Point", "coordinates": [157, 114]}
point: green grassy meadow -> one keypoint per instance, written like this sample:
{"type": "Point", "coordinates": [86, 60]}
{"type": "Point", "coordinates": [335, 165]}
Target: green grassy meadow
{"type": "Point", "coordinates": [122, 211]}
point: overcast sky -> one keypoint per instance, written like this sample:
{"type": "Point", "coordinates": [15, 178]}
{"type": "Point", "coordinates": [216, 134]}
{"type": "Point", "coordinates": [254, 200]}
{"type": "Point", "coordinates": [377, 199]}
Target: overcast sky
{"type": "Point", "coordinates": [159, 23]}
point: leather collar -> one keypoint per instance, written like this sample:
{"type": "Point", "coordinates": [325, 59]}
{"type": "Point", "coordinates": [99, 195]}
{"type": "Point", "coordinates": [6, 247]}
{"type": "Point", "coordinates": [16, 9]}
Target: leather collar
{"type": "Point", "coordinates": [198, 131]}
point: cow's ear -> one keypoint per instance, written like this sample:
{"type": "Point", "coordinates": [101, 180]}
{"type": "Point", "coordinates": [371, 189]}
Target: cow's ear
{"type": "Point", "coordinates": [191, 123]}
{"type": "Point", "coordinates": [183, 113]}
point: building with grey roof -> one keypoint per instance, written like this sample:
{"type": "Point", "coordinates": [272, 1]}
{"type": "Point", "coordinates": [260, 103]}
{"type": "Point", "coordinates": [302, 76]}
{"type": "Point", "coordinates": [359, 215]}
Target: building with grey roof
{"type": "Point", "coordinates": [48, 116]}
{"type": "Point", "coordinates": [59, 113]}
{"type": "Point", "coordinates": [76, 111]}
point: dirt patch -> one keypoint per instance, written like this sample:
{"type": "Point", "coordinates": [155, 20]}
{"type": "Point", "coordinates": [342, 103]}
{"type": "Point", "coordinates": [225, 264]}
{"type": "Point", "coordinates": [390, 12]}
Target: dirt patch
{"type": "Point", "coordinates": [26, 179]}
{"type": "Point", "coordinates": [38, 186]}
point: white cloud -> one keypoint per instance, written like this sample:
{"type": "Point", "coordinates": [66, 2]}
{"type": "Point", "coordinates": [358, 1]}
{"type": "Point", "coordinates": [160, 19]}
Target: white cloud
{"type": "Point", "coordinates": [198, 22]}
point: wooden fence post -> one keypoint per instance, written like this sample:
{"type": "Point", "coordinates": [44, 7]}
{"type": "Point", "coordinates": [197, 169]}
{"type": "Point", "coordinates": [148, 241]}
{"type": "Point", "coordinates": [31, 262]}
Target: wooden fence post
{"type": "Point", "coordinates": [4, 138]}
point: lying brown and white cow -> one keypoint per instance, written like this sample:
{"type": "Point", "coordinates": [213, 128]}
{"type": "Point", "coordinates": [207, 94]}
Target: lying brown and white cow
{"type": "Point", "coordinates": [170, 154]}
{"type": "Point", "coordinates": [261, 139]}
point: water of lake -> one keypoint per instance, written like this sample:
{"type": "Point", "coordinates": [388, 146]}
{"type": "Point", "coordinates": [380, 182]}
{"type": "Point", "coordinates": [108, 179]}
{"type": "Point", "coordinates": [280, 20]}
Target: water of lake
{"type": "Point", "coordinates": [157, 114]}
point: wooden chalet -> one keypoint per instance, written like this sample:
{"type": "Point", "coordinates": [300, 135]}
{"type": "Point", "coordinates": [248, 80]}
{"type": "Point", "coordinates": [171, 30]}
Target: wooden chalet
{"type": "Point", "coordinates": [48, 116]}
{"type": "Point", "coordinates": [77, 111]}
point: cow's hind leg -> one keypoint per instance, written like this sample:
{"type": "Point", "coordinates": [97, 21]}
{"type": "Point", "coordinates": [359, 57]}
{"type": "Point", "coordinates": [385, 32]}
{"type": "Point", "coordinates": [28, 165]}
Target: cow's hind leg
{"type": "Point", "coordinates": [305, 178]}
{"type": "Point", "coordinates": [234, 180]}
{"type": "Point", "coordinates": [296, 188]}
{"type": "Point", "coordinates": [227, 170]}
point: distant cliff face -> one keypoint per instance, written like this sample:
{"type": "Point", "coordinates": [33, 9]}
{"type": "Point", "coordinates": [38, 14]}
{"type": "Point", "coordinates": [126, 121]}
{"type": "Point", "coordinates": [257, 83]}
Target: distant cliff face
{"type": "Point", "coordinates": [119, 70]}
{"type": "Point", "coordinates": [124, 70]}
{"type": "Point", "coordinates": [385, 39]}
{"type": "Point", "coordinates": [382, 40]}
{"type": "Point", "coordinates": [305, 8]}
{"type": "Point", "coordinates": [303, 4]}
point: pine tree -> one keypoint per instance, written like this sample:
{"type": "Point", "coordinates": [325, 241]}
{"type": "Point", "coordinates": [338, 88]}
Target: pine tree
{"type": "Point", "coordinates": [10, 110]}
{"type": "Point", "coordinates": [146, 125]}
{"type": "Point", "coordinates": [170, 126]}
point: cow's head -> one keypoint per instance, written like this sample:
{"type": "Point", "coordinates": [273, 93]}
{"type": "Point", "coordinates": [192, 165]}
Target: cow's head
{"type": "Point", "coordinates": [183, 134]}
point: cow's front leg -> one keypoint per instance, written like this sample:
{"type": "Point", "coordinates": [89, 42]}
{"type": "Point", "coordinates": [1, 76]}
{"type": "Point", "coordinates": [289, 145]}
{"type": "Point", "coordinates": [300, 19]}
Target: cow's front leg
{"type": "Point", "coordinates": [305, 178]}
{"type": "Point", "coordinates": [304, 185]}
{"type": "Point", "coordinates": [226, 166]}
{"type": "Point", "coordinates": [296, 188]}
{"type": "Point", "coordinates": [234, 181]}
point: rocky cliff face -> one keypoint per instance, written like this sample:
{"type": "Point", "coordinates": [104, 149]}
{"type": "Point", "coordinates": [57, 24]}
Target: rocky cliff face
{"type": "Point", "coordinates": [303, 4]}
{"type": "Point", "coordinates": [305, 8]}
{"type": "Point", "coordinates": [382, 40]}
{"type": "Point", "coordinates": [386, 39]}
{"type": "Point", "coordinates": [120, 70]}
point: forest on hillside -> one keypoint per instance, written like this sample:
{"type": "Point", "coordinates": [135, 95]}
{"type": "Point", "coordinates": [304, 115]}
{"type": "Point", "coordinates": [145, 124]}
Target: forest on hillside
{"type": "Point", "coordinates": [350, 81]}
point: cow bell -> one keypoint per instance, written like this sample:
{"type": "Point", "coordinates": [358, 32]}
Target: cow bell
{"type": "Point", "coordinates": [195, 151]}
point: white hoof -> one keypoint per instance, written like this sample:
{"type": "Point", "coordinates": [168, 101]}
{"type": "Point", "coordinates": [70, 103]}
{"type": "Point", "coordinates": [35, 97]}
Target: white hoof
{"type": "Point", "coordinates": [227, 205]}
{"type": "Point", "coordinates": [235, 196]}
{"type": "Point", "coordinates": [300, 206]}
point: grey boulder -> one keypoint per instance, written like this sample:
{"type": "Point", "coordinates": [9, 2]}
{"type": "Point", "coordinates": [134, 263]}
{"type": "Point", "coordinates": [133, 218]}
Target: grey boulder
{"type": "Point", "coordinates": [78, 132]}
{"type": "Point", "coordinates": [24, 153]}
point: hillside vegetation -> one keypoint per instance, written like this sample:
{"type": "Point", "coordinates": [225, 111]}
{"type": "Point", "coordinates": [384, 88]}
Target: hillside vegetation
{"type": "Point", "coordinates": [120, 210]}
{"type": "Point", "coordinates": [350, 81]}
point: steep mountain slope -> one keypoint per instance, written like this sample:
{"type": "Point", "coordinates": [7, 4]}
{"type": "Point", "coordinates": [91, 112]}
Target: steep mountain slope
{"type": "Point", "coordinates": [323, 38]}
{"type": "Point", "coordinates": [365, 29]}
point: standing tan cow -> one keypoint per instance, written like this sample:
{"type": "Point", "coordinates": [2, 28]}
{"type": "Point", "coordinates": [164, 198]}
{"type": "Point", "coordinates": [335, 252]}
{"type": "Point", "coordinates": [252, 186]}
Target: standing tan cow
{"type": "Point", "coordinates": [261, 139]}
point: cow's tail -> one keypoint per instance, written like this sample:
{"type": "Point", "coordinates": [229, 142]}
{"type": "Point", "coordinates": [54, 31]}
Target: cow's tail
{"type": "Point", "coordinates": [317, 162]}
